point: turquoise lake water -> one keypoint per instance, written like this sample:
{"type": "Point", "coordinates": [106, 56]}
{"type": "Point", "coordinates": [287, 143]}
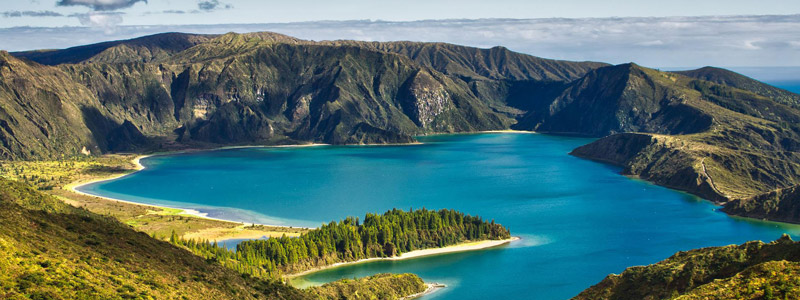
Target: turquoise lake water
{"type": "Point", "coordinates": [579, 220]}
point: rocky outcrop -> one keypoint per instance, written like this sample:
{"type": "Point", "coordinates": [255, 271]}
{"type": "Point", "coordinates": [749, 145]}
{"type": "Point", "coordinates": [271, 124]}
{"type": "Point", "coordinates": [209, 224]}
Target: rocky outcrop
{"type": "Point", "coordinates": [232, 123]}
{"type": "Point", "coordinates": [781, 205]}
{"type": "Point", "coordinates": [623, 98]}
{"type": "Point", "coordinates": [659, 159]}
{"type": "Point", "coordinates": [424, 99]}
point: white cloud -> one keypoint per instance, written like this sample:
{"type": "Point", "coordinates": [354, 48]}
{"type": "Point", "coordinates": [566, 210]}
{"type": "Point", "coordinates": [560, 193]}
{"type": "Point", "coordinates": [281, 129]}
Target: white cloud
{"type": "Point", "coordinates": [650, 43]}
{"type": "Point", "coordinates": [107, 22]}
{"type": "Point", "coordinates": [752, 45]}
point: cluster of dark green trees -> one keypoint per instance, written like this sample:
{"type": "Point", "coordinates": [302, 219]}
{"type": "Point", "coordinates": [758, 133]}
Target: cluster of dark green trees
{"type": "Point", "coordinates": [387, 235]}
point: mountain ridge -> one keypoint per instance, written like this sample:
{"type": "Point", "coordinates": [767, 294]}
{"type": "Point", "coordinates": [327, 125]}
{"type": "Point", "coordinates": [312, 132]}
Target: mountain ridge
{"type": "Point", "coordinates": [711, 132]}
{"type": "Point", "coordinates": [285, 90]}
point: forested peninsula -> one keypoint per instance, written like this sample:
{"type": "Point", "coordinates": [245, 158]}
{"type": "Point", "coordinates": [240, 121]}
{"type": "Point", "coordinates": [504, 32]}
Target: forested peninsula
{"type": "Point", "coordinates": [387, 235]}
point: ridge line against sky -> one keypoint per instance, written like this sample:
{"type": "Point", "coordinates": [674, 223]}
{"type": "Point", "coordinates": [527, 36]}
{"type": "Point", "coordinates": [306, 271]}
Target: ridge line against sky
{"type": "Point", "coordinates": [742, 40]}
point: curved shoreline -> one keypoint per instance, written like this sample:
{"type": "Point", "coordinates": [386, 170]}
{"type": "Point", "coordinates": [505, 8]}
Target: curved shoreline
{"type": "Point", "coordinates": [467, 246]}
{"type": "Point", "coordinates": [73, 187]}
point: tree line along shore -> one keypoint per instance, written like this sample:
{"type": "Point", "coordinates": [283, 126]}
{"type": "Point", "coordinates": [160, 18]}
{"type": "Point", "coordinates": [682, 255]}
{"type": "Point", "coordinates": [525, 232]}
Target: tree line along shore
{"type": "Point", "coordinates": [350, 240]}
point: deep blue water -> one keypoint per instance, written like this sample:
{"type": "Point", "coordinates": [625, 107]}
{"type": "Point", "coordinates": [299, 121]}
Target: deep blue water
{"type": "Point", "coordinates": [579, 220]}
{"type": "Point", "coordinates": [792, 86]}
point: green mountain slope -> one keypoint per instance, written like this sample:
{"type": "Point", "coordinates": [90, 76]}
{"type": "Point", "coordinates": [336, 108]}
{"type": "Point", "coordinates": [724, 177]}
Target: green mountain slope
{"type": "Point", "coordinates": [753, 270]}
{"type": "Point", "coordinates": [263, 88]}
{"type": "Point", "coordinates": [733, 79]}
{"type": "Point", "coordinates": [497, 63]}
{"type": "Point", "coordinates": [42, 111]}
{"type": "Point", "coordinates": [141, 49]}
{"type": "Point", "coordinates": [622, 98]}
{"type": "Point", "coordinates": [51, 250]}
{"type": "Point", "coordinates": [724, 143]}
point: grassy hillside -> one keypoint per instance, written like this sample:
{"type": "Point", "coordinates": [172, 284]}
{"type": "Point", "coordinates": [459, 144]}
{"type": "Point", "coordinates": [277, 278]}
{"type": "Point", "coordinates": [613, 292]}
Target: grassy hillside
{"type": "Point", "coordinates": [146, 48]}
{"type": "Point", "coordinates": [753, 270]}
{"type": "Point", "coordinates": [733, 79]}
{"type": "Point", "coordinates": [51, 250]}
{"type": "Point", "coordinates": [719, 142]}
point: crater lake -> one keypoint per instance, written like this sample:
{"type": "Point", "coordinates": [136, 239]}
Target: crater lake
{"type": "Point", "coordinates": [579, 220]}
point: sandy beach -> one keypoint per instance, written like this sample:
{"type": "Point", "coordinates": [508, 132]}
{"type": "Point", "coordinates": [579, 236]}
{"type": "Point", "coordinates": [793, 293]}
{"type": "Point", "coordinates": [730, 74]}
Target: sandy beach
{"type": "Point", "coordinates": [432, 288]}
{"type": "Point", "coordinates": [468, 246]}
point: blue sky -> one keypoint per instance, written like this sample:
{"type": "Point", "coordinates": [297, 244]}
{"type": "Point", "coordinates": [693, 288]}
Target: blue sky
{"type": "Point", "coordinates": [676, 33]}
{"type": "Point", "coordinates": [50, 13]}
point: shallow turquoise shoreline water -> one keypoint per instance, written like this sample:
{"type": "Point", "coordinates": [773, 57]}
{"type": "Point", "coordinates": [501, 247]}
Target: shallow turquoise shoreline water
{"type": "Point", "coordinates": [579, 220]}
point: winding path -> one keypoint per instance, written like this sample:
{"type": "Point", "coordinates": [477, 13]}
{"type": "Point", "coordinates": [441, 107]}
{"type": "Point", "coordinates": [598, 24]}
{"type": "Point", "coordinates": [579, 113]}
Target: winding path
{"type": "Point", "coordinates": [713, 185]}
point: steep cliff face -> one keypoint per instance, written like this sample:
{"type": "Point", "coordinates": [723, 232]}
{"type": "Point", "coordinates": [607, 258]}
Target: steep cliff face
{"type": "Point", "coordinates": [424, 99]}
{"type": "Point", "coordinates": [42, 111]}
{"type": "Point", "coordinates": [263, 88]}
{"type": "Point", "coordinates": [232, 123]}
{"type": "Point", "coordinates": [780, 205]}
{"type": "Point", "coordinates": [623, 98]}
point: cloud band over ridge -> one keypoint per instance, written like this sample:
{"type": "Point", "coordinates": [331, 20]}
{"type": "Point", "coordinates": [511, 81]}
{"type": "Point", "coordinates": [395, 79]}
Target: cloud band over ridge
{"type": "Point", "coordinates": [655, 42]}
